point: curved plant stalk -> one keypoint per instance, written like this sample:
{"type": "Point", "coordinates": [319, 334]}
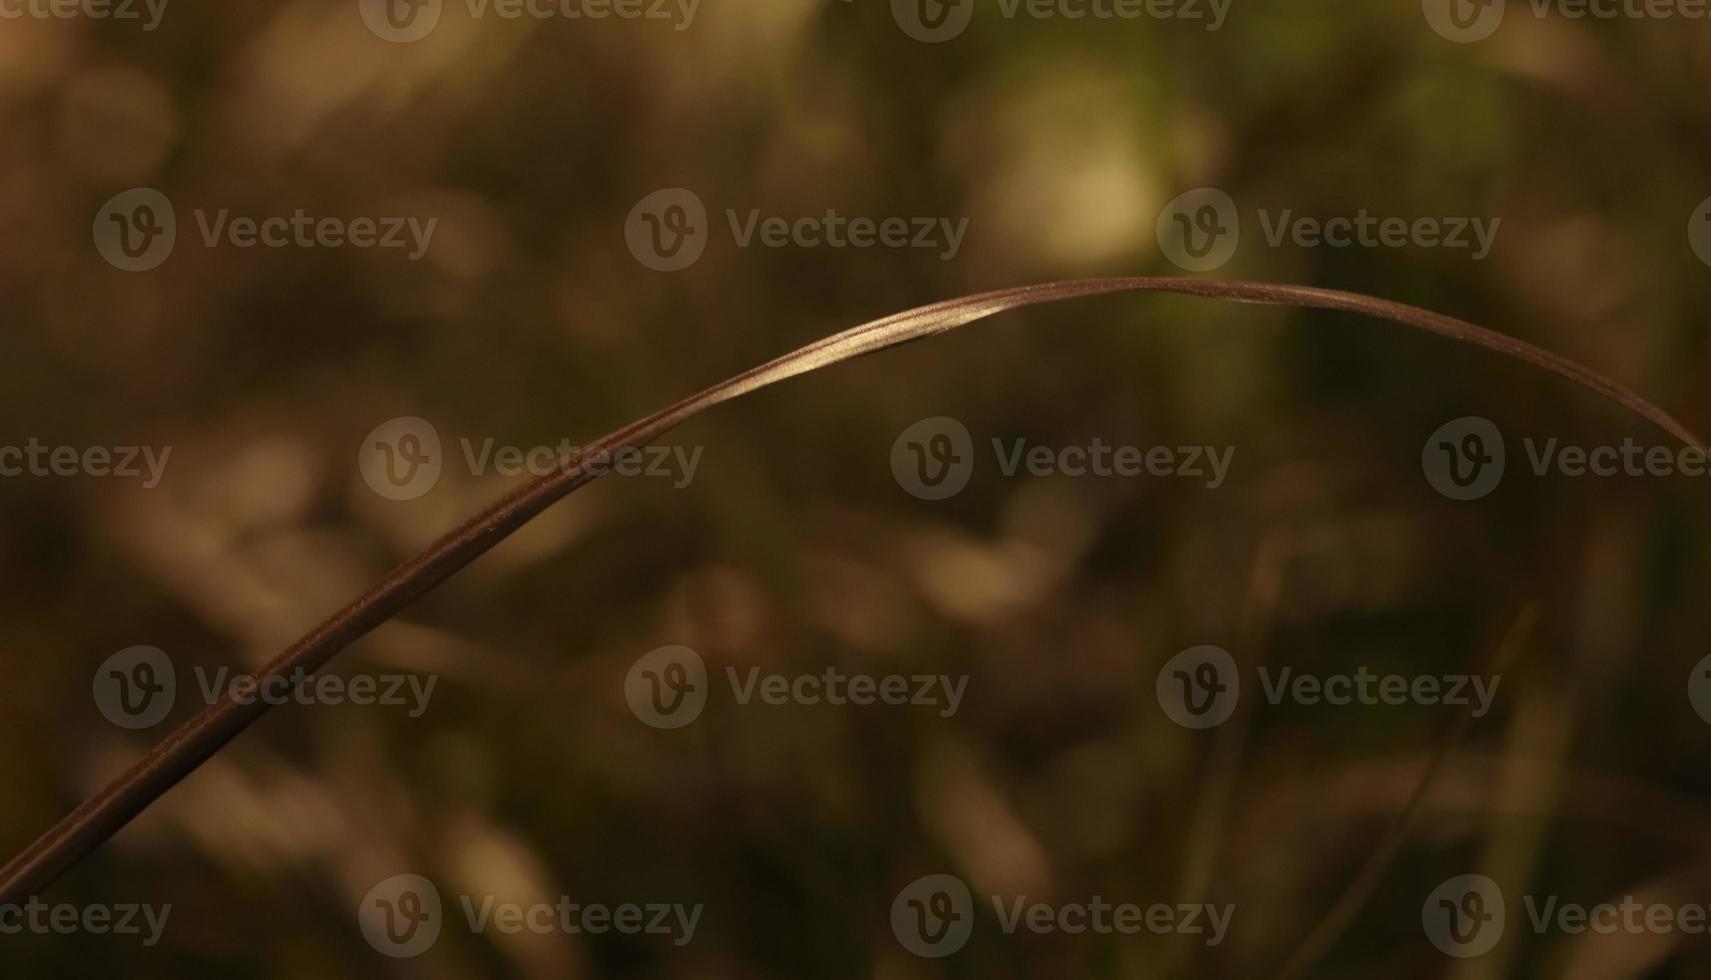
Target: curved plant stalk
{"type": "Point", "coordinates": [194, 742]}
{"type": "Point", "coordinates": [1323, 936]}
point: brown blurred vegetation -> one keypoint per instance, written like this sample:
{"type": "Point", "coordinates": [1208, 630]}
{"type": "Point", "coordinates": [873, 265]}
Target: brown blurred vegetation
{"type": "Point", "coordinates": [794, 548]}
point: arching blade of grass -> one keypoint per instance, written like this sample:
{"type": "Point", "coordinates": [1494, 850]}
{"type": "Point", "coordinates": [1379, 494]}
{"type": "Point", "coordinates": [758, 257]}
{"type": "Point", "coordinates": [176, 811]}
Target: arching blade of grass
{"type": "Point", "coordinates": [100, 817]}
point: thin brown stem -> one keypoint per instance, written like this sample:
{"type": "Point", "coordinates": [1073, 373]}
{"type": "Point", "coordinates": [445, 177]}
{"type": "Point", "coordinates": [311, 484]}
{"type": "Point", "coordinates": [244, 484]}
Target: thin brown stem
{"type": "Point", "coordinates": [1355, 895]}
{"type": "Point", "coordinates": [193, 743]}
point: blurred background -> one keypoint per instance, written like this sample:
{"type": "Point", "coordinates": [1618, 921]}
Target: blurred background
{"type": "Point", "coordinates": [532, 318]}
